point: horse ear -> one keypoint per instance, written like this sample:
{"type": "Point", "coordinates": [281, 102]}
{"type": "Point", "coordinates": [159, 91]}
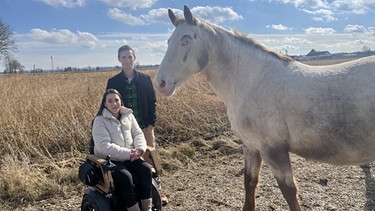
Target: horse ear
{"type": "Point", "coordinates": [172, 17]}
{"type": "Point", "coordinates": [190, 19]}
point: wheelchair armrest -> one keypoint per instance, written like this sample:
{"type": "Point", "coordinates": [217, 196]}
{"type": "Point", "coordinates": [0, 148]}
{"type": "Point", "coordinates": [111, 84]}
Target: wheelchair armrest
{"type": "Point", "coordinates": [151, 157]}
{"type": "Point", "coordinates": [107, 186]}
{"type": "Point", "coordinates": [99, 161]}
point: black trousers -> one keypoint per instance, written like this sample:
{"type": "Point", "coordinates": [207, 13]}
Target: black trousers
{"type": "Point", "coordinates": [124, 183]}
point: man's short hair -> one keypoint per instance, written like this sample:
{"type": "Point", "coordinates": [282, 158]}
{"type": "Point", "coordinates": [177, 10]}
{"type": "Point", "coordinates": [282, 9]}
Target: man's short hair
{"type": "Point", "coordinates": [124, 48]}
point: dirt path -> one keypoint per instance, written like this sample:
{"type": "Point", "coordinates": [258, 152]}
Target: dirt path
{"type": "Point", "coordinates": [214, 182]}
{"type": "Point", "coordinates": [217, 184]}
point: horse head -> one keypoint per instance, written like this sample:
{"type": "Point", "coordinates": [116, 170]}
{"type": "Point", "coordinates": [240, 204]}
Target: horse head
{"type": "Point", "coordinates": [186, 53]}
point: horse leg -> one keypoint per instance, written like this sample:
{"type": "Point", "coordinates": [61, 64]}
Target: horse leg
{"type": "Point", "coordinates": [253, 165]}
{"type": "Point", "coordinates": [279, 162]}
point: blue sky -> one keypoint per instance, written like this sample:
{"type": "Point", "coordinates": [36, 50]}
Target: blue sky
{"type": "Point", "coordinates": [87, 33]}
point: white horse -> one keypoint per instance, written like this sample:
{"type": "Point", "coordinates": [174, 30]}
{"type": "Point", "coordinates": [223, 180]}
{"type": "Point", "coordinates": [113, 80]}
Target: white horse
{"type": "Point", "coordinates": [276, 105]}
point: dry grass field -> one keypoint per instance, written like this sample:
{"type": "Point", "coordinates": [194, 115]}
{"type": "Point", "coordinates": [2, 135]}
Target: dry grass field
{"type": "Point", "coordinates": [45, 127]}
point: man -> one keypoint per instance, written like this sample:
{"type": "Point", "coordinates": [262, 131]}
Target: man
{"type": "Point", "coordinates": [138, 94]}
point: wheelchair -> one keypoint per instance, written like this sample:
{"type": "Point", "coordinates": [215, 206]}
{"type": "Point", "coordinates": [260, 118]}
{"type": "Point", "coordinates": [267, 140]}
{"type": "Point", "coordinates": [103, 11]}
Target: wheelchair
{"type": "Point", "coordinates": [100, 194]}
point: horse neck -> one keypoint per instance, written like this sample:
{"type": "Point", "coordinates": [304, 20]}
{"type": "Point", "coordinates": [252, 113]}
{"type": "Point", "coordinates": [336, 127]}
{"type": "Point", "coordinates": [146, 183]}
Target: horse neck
{"type": "Point", "coordinates": [232, 66]}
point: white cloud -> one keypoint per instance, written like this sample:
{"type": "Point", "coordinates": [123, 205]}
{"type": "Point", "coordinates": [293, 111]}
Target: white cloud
{"type": "Point", "coordinates": [124, 17]}
{"type": "Point", "coordinates": [156, 16]}
{"type": "Point", "coordinates": [301, 44]}
{"type": "Point", "coordinates": [286, 44]}
{"type": "Point", "coordinates": [371, 30]}
{"type": "Point", "coordinates": [285, 49]}
{"type": "Point", "coordinates": [323, 15]}
{"type": "Point", "coordinates": [279, 27]}
{"type": "Point", "coordinates": [319, 30]}
{"type": "Point", "coordinates": [360, 29]}
{"type": "Point", "coordinates": [319, 9]}
{"type": "Point", "coordinates": [64, 36]}
{"type": "Point", "coordinates": [87, 40]}
{"type": "Point", "coordinates": [295, 40]}
{"type": "Point", "coordinates": [212, 14]}
{"type": "Point", "coordinates": [324, 18]}
{"type": "Point", "coordinates": [325, 11]}
{"type": "Point", "coordinates": [354, 45]}
{"type": "Point", "coordinates": [60, 36]}
{"type": "Point", "coordinates": [64, 3]}
{"type": "Point", "coordinates": [355, 29]}
{"type": "Point", "coordinates": [306, 3]}
{"type": "Point", "coordinates": [215, 14]}
{"type": "Point", "coordinates": [336, 6]}
{"type": "Point", "coordinates": [353, 7]}
{"type": "Point", "coordinates": [285, 40]}
{"type": "Point", "coordinates": [132, 4]}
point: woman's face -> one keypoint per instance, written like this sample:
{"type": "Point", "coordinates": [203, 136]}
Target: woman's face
{"type": "Point", "coordinates": [113, 103]}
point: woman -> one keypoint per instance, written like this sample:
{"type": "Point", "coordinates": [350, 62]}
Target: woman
{"type": "Point", "coordinates": [116, 133]}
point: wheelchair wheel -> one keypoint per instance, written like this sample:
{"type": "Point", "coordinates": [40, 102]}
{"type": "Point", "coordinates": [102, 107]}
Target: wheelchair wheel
{"type": "Point", "coordinates": [156, 197]}
{"type": "Point", "coordinates": [95, 201]}
{"type": "Point", "coordinates": [88, 204]}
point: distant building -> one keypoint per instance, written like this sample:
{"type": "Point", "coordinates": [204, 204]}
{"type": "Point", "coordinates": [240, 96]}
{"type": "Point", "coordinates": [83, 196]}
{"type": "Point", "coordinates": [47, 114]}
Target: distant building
{"type": "Point", "coordinates": [313, 54]}
{"type": "Point", "coordinates": [37, 70]}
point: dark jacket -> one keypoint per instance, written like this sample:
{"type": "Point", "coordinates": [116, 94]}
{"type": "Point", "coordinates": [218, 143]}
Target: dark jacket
{"type": "Point", "coordinates": [145, 93]}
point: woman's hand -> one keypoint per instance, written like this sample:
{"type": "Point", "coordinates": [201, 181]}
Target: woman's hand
{"type": "Point", "coordinates": [135, 154]}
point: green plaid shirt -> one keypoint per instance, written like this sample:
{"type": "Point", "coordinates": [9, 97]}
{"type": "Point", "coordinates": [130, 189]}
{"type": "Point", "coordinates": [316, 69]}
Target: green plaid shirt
{"type": "Point", "coordinates": [131, 100]}
{"type": "Point", "coordinates": [138, 95]}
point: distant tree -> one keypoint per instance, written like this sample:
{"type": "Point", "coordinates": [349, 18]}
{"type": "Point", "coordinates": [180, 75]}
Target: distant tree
{"type": "Point", "coordinates": [365, 48]}
{"type": "Point", "coordinates": [7, 42]}
{"type": "Point", "coordinates": [366, 51]}
{"type": "Point", "coordinates": [70, 69]}
{"type": "Point", "coordinates": [12, 65]}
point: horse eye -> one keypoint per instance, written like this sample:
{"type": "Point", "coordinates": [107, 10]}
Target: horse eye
{"type": "Point", "coordinates": [185, 40]}
{"type": "Point", "coordinates": [185, 43]}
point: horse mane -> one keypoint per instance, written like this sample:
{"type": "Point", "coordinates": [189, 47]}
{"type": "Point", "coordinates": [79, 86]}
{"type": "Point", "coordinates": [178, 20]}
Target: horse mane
{"type": "Point", "coordinates": [244, 39]}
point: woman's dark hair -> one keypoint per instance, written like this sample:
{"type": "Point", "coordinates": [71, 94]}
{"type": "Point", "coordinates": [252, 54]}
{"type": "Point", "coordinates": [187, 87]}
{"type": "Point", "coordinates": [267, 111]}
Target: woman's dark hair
{"type": "Point", "coordinates": [107, 92]}
{"type": "Point", "coordinates": [102, 106]}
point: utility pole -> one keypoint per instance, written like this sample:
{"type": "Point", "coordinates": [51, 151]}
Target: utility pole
{"type": "Point", "coordinates": [51, 63]}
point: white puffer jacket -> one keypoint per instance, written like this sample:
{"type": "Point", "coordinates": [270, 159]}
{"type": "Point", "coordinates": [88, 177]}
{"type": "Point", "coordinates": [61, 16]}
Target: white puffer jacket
{"type": "Point", "coordinates": [116, 137]}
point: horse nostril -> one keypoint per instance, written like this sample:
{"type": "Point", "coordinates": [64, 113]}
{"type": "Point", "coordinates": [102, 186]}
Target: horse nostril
{"type": "Point", "coordinates": [162, 84]}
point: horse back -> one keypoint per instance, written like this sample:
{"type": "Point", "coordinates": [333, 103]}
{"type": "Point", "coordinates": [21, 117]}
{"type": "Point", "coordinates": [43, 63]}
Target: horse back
{"type": "Point", "coordinates": [324, 113]}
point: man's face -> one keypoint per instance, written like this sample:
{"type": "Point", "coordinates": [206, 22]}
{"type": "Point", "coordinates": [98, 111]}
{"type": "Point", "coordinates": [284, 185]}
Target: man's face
{"type": "Point", "coordinates": [127, 59]}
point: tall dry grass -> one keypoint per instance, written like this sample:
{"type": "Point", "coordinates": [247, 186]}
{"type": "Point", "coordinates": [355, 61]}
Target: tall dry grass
{"type": "Point", "coordinates": [45, 125]}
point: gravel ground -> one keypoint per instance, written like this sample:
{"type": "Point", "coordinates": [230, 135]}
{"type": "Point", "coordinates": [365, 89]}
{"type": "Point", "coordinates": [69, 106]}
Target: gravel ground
{"type": "Point", "coordinates": [215, 182]}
